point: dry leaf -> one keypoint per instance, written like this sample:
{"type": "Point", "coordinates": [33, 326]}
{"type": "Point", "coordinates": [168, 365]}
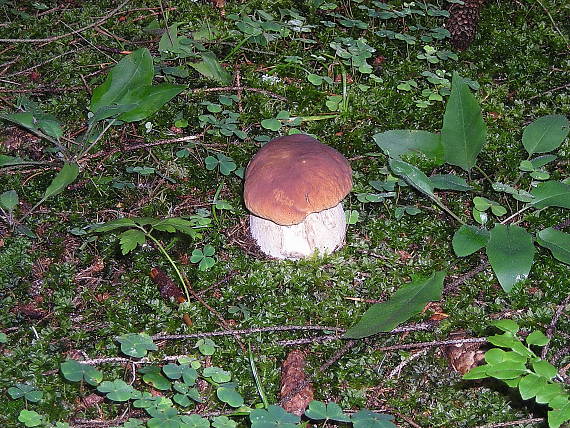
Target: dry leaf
{"type": "Point", "coordinates": [294, 396]}
{"type": "Point", "coordinates": [463, 356]}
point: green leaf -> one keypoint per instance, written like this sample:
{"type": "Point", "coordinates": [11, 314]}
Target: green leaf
{"type": "Point", "coordinates": [558, 416]}
{"type": "Point", "coordinates": [551, 194]}
{"type": "Point", "coordinates": [548, 391]}
{"type": "Point", "coordinates": [364, 418]}
{"type": "Point", "coordinates": [147, 100]}
{"type": "Point", "coordinates": [157, 380]}
{"type": "Point", "coordinates": [11, 160]}
{"type": "Point", "coordinates": [129, 240]}
{"type": "Point", "coordinates": [136, 344]}
{"type": "Point", "coordinates": [211, 68]}
{"type": "Point", "coordinates": [217, 374]}
{"type": "Point", "coordinates": [464, 131]}
{"type": "Point", "coordinates": [29, 392]}
{"type": "Point", "coordinates": [479, 372]}
{"type": "Point", "coordinates": [413, 176]}
{"type": "Point", "coordinates": [506, 340]}
{"type": "Point", "coordinates": [223, 422]}
{"type": "Point", "coordinates": [133, 71]}
{"type": "Point", "coordinates": [176, 371]}
{"type": "Point", "coordinates": [9, 200]}
{"type": "Point", "coordinates": [3, 337]}
{"type": "Point", "coordinates": [273, 417]}
{"type": "Point", "coordinates": [541, 161]}
{"type": "Point", "coordinates": [272, 124]}
{"type": "Point", "coordinates": [557, 242]}
{"type": "Point", "coordinates": [193, 421]}
{"type": "Point", "coordinates": [529, 384]}
{"type": "Point", "coordinates": [398, 143]}
{"type": "Point", "coordinates": [30, 418]}
{"type": "Point", "coordinates": [545, 134]}
{"type": "Point", "coordinates": [544, 369]}
{"type": "Point", "coordinates": [450, 182]}
{"type": "Point", "coordinates": [64, 178]}
{"type": "Point", "coordinates": [506, 370]}
{"type": "Point", "coordinates": [538, 338]}
{"type": "Point", "coordinates": [117, 390]}
{"type": "Point", "coordinates": [230, 396]}
{"type": "Point", "coordinates": [318, 411]}
{"type": "Point", "coordinates": [75, 372]}
{"type": "Point", "coordinates": [469, 239]}
{"type": "Point", "coordinates": [409, 300]}
{"type": "Point", "coordinates": [507, 325]}
{"type": "Point", "coordinates": [510, 252]}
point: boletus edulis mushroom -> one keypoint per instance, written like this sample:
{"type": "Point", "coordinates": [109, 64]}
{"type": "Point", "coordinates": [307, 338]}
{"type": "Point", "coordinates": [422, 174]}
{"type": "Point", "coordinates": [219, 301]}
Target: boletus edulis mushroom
{"type": "Point", "coordinates": [293, 188]}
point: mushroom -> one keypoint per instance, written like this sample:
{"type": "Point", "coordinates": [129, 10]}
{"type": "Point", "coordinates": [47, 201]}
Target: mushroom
{"type": "Point", "coordinates": [293, 188]}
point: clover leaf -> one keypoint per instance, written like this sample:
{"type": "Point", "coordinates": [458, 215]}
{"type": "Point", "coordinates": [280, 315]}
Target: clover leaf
{"type": "Point", "coordinates": [366, 419]}
{"type": "Point", "coordinates": [273, 417]}
{"type": "Point", "coordinates": [136, 344]}
{"type": "Point", "coordinates": [217, 374]}
{"type": "Point", "coordinates": [225, 163]}
{"type": "Point", "coordinates": [204, 257]}
{"type": "Point", "coordinates": [186, 394]}
{"type": "Point", "coordinates": [29, 392]}
{"type": "Point", "coordinates": [153, 376]}
{"type": "Point", "coordinates": [176, 371]}
{"type": "Point", "coordinates": [223, 422]}
{"type": "Point", "coordinates": [318, 411]}
{"type": "Point", "coordinates": [30, 418]}
{"type": "Point", "coordinates": [117, 390]}
{"type": "Point", "coordinates": [229, 395]}
{"type": "Point", "coordinates": [194, 421]}
{"type": "Point", "coordinates": [75, 372]}
{"type": "Point", "coordinates": [206, 346]}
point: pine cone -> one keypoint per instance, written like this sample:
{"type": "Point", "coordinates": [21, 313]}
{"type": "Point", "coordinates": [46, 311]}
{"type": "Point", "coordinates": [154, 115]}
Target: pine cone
{"type": "Point", "coordinates": [462, 22]}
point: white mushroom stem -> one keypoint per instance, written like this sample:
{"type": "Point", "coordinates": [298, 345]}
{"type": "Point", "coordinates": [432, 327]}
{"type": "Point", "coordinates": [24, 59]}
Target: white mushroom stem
{"type": "Point", "coordinates": [323, 232]}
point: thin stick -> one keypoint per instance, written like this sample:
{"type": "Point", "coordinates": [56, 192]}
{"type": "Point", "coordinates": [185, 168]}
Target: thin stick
{"type": "Point", "coordinates": [61, 36]}
{"type": "Point", "coordinates": [550, 90]}
{"type": "Point", "coordinates": [431, 344]}
{"type": "Point", "coordinates": [512, 423]}
{"type": "Point", "coordinates": [552, 327]}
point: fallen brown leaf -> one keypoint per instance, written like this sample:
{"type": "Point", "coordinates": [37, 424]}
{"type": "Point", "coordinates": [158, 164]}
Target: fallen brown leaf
{"type": "Point", "coordinates": [463, 356]}
{"type": "Point", "coordinates": [295, 400]}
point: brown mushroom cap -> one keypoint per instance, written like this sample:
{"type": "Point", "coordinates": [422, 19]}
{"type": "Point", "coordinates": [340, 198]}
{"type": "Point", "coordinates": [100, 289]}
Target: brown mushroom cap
{"type": "Point", "coordinates": [293, 176]}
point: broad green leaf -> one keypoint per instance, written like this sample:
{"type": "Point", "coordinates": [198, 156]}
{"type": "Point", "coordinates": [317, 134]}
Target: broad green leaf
{"type": "Point", "coordinates": [538, 338]}
{"type": "Point", "coordinates": [272, 124]}
{"type": "Point", "coordinates": [507, 325]}
{"type": "Point", "coordinates": [133, 71]}
{"type": "Point", "coordinates": [273, 417]}
{"type": "Point", "coordinates": [110, 111]}
{"type": "Point", "coordinates": [398, 143]}
{"type": "Point", "coordinates": [469, 239]}
{"type": "Point", "coordinates": [136, 344]}
{"type": "Point", "coordinates": [464, 131]}
{"type": "Point", "coordinates": [558, 416]}
{"type": "Point", "coordinates": [318, 411]}
{"type": "Point", "coordinates": [223, 422]}
{"type": "Point", "coordinates": [551, 194]}
{"type": "Point", "coordinates": [506, 340]}
{"type": "Point", "coordinates": [413, 176]}
{"type": "Point", "coordinates": [545, 134]}
{"type": "Point", "coordinates": [211, 68]}
{"type": "Point", "coordinates": [217, 374]}
{"type": "Point", "coordinates": [192, 421]}
{"type": "Point", "coordinates": [366, 419]}
{"type": "Point", "coordinates": [75, 372]}
{"type": "Point", "coordinates": [557, 242]}
{"type": "Point", "coordinates": [129, 240]}
{"type": "Point", "coordinates": [479, 372]}
{"type": "Point", "coordinates": [510, 251]}
{"type": "Point", "coordinates": [409, 300]}
{"type": "Point", "coordinates": [230, 396]}
{"type": "Point", "coordinates": [529, 385]}
{"type": "Point", "coordinates": [9, 200]}
{"type": "Point", "coordinates": [548, 391]}
{"type": "Point", "coordinates": [29, 392]}
{"type": "Point", "coordinates": [450, 182]}
{"type": "Point", "coordinates": [64, 178]}
{"type": "Point", "coordinates": [540, 161]}
{"type": "Point", "coordinates": [147, 100]}
{"type": "Point", "coordinates": [11, 160]}
{"type": "Point", "coordinates": [506, 370]}
{"type": "Point", "coordinates": [25, 119]}
{"type": "Point", "coordinates": [544, 369]}
{"type": "Point", "coordinates": [157, 380]}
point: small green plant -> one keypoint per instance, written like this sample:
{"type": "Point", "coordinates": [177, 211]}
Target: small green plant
{"type": "Point", "coordinates": [510, 248]}
{"type": "Point", "coordinates": [521, 368]}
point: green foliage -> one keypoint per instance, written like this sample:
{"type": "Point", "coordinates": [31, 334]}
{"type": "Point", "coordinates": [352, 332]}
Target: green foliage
{"type": "Point", "coordinates": [225, 163]}
{"type": "Point", "coordinates": [28, 392]}
{"type": "Point", "coordinates": [30, 418]}
{"type": "Point", "coordinates": [409, 300]}
{"type": "Point", "coordinates": [136, 344]}
{"type": "Point", "coordinates": [117, 390]}
{"type": "Point", "coordinates": [320, 411]}
{"type": "Point", "coordinates": [211, 68]}
{"type": "Point", "coordinates": [204, 257]}
{"type": "Point", "coordinates": [545, 134]}
{"type": "Point", "coordinates": [521, 368]}
{"type": "Point", "coordinates": [75, 372]}
{"type": "Point", "coordinates": [9, 200]}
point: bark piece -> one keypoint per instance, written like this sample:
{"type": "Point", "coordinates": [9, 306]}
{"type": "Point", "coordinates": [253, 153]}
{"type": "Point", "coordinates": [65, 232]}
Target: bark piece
{"type": "Point", "coordinates": [295, 394]}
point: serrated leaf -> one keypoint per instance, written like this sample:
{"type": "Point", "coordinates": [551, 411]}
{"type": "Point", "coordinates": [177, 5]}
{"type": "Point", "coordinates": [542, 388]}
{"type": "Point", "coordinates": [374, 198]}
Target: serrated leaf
{"type": "Point", "coordinates": [551, 194]}
{"type": "Point", "coordinates": [464, 132]}
{"type": "Point", "coordinates": [450, 182]}
{"type": "Point", "coordinates": [211, 68]}
{"type": "Point", "coordinates": [398, 143]}
{"type": "Point", "coordinates": [409, 300]}
{"type": "Point", "coordinates": [129, 240]}
{"type": "Point", "coordinates": [133, 71]}
{"type": "Point", "coordinates": [511, 252]}
{"type": "Point", "coordinates": [64, 178]}
{"type": "Point", "coordinates": [469, 239]}
{"type": "Point", "coordinates": [557, 242]}
{"type": "Point", "coordinates": [413, 176]}
{"type": "Point", "coordinates": [545, 134]}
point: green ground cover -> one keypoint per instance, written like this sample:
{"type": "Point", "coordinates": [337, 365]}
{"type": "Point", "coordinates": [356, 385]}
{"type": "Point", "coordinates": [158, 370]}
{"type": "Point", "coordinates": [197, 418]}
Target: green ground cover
{"type": "Point", "coordinates": [358, 67]}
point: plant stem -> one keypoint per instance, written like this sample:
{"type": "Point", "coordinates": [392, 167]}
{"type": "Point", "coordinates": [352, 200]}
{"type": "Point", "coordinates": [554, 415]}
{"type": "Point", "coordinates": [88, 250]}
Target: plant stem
{"type": "Point", "coordinates": [31, 210]}
{"type": "Point", "coordinates": [165, 253]}
{"type": "Point", "coordinates": [447, 210]}
{"type": "Point", "coordinates": [484, 174]}
{"type": "Point", "coordinates": [84, 152]}
{"type": "Point", "coordinates": [258, 383]}
{"type": "Point", "coordinates": [519, 212]}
